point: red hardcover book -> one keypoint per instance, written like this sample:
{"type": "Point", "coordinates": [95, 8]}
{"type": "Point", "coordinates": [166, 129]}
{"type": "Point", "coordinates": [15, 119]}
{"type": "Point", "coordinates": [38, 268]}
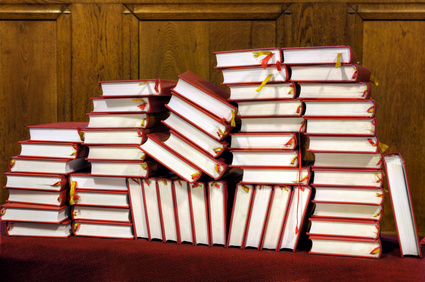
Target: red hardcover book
{"type": "Point", "coordinates": [146, 87]}
{"type": "Point", "coordinates": [185, 223]}
{"type": "Point", "coordinates": [101, 213]}
{"type": "Point", "coordinates": [214, 167]}
{"type": "Point", "coordinates": [167, 210]}
{"type": "Point", "coordinates": [344, 227]}
{"type": "Point", "coordinates": [340, 246]}
{"type": "Point", "coordinates": [337, 90]}
{"type": "Point", "coordinates": [328, 73]}
{"type": "Point", "coordinates": [99, 182]}
{"type": "Point", "coordinates": [199, 213]}
{"type": "Point", "coordinates": [339, 54]}
{"type": "Point", "coordinates": [46, 165]}
{"type": "Point", "coordinates": [270, 158]}
{"type": "Point", "coordinates": [155, 148]}
{"type": "Point", "coordinates": [34, 196]}
{"type": "Point", "coordinates": [215, 127]}
{"type": "Point", "coordinates": [151, 209]}
{"type": "Point", "coordinates": [147, 104]}
{"type": "Point", "coordinates": [39, 181]}
{"type": "Point", "coordinates": [268, 124]}
{"type": "Point", "coordinates": [278, 176]}
{"type": "Point", "coordinates": [261, 140]}
{"type": "Point", "coordinates": [135, 136]}
{"type": "Point", "coordinates": [347, 210]}
{"type": "Point", "coordinates": [116, 152]}
{"type": "Point", "coordinates": [295, 217]}
{"type": "Point", "coordinates": [255, 75]}
{"type": "Point", "coordinates": [340, 109]}
{"type": "Point", "coordinates": [100, 198]}
{"type": "Point", "coordinates": [58, 131]}
{"type": "Point", "coordinates": [343, 144]}
{"type": "Point", "coordinates": [341, 126]}
{"type": "Point", "coordinates": [33, 213]}
{"type": "Point", "coordinates": [350, 160]}
{"type": "Point", "coordinates": [347, 177]}
{"type": "Point", "coordinates": [102, 229]}
{"type": "Point", "coordinates": [275, 108]}
{"type": "Point", "coordinates": [39, 229]}
{"type": "Point", "coordinates": [125, 119]}
{"type": "Point", "coordinates": [124, 168]}
{"type": "Point", "coordinates": [138, 216]}
{"type": "Point", "coordinates": [206, 95]}
{"type": "Point", "coordinates": [272, 91]}
{"type": "Point", "coordinates": [52, 149]}
{"type": "Point", "coordinates": [401, 202]}
{"type": "Point", "coordinates": [258, 57]}
{"type": "Point", "coordinates": [350, 195]}
{"type": "Point", "coordinates": [275, 221]}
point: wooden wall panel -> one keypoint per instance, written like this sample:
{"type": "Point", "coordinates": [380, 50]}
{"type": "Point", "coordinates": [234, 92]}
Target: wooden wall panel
{"type": "Point", "coordinates": [97, 53]}
{"type": "Point", "coordinates": [390, 50]}
{"type": "Point", "coordinates": [28, 83]}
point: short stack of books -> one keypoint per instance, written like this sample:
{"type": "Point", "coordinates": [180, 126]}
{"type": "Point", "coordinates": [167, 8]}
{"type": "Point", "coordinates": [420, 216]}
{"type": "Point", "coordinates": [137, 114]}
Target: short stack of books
{"type": "Point", "coordinates": [178, 208]}
{"type": "Point", "coordinates": [38, 180]}
{"type": "Point", "coordinates": [347, 169]}
{"type": "Point", "coordinates": [272, 198]}
{"type": "Point", "coordinates": [121, 118]}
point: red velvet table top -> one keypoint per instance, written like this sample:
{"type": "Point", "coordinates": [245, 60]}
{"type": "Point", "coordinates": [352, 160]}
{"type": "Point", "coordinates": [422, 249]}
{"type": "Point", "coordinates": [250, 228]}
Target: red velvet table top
{"type": "Point", "coordinates": [82, 258]}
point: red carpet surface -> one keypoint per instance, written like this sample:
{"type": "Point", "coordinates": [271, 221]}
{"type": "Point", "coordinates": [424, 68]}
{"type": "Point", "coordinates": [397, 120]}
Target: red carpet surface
{"type": "Point", "coordinates": [94, 259]}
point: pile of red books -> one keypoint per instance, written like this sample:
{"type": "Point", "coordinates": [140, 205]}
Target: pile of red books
{"type": "Point", "coordinates": [38, 180]}
{"type": "Point", "coordinates": [121, 118]}
{"type": "Point", "coordinates": [272, 198]}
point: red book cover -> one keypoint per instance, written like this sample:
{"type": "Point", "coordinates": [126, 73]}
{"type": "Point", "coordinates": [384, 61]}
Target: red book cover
{"type": "Point", "coordinates": [349, 160]}
{"type": "Point", "coordinates": [347, 220]}
{"type": "Point", "coordinates": [291, 144]}
{"type": "Point", "coordinates": [61, 184]}
{"type": "Point", "coordinates": [139, 132]}
{"type": "Point", "coordinates": [67, 125]}
{"type": "Point", "coordinates": [61, 197]}
{"type": "Point", "coordinates": [161, 87]}
{"type": "Point", "coordinates": [375, 249]}
{"type": "Point", "coordinates": [145, 104]}
{"type": "Point", "coordinates": [219, 135]}
{"type": "Point", "coordinates": [157, 139]}
{"type": "Point", "coordinates": [350, 60]}
{"type": "Point", "coordinates": [328, 112]}
{"type": "Point", "coordinates": [291, 95]}
{"type": "Point", "coordinates": [220, 166]}
{"type": "Point", "coordinates": [361, 208]}
{"type": "Point", "coordinates": [150, 167]}
{"type": "Point", "coordinates": [76, 216]}
{"type": "Point", "coordinates": [360, 73]}
{"type": "Point", "coordinates": [77, 223]}
{"type": "Point", "coordinates": [78, 152]}
{"type": "Point", "coordinates": [365, 95]}
{"type": "Point", "coordinates": [260, 76]}
{"type": "Point", "coordinates": [71, 164]}
{"type": "Point", "coordinates": [409, 200]}
{"type": "Point", "coordinates": [258, 57]}
{"type": "Point", "coordinates": [262, 175]}
{"type": "Point", "coordinates": [45, 132]}
{"type": "Point", "coordinates": [373, 178]}
{"type": "Point", "coordinates": [32, 207]}
{"type": "Point", "coordinates": [148, 120]}
{"type": "Point", "coordinates": [76, 195]}
{"type": "Point", "coordinates": [371, 132]}
{"type": "Point", "coordinates": [289, 161]}
{"type": "Point", "coordinates": [11, 224]}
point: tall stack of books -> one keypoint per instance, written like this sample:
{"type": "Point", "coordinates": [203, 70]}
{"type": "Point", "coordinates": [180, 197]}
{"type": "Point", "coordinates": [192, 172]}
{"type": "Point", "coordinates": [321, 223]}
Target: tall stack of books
{"type": "Point", "coordinates": [200, 120]}
{"type": "Point", "coordinates": [347, 168]}
{"type": "Point", "coordinates": [268, 210]}
{"type": "Point", "coordinates": [38, 180]}
{"type": "Point", "coordinates": [121, 118]}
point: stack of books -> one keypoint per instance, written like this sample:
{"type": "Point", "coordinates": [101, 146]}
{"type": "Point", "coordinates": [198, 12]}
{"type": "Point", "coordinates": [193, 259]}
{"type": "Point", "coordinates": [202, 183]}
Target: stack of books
{"type": "Point", "coordinates": [38, 180]}
{"type": "Point", "coordinates": [178, 207]}
{"type": "Point", "coordinates": [272, 198]}
{"type": "Point", "coordinates": [347, 168]}
{"type": "Point", "coordinates": [121, 118]}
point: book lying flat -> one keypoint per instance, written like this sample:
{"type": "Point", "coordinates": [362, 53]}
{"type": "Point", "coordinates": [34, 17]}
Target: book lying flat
{"type": "Point", "coordinates": [352, 195]}
{"type": "Point", "coordinates": [116, 152]}
{"type": "Point", "coordinates": [148, 104]}
{"type": "Point", "coordinates": [101, 213]}
{"type": "Point", "coordinates": [40, 181]}
{"type": "Point", "coordinates": [38, 229]}
{"type": "Point", "coordinates": [346, 108]}
{"type": "Point", "coordinates": [263, 140]}
{"type": "Point", "coordinates": [146, 87]}
{"type": "Point", "coordinates": [206, 95]}
{"type": "Point", "coordinates": [34, 213]}
{"type": "Point", "coordinates": [341, 126]}
{"type": "Point", "coordinates": [344, 227]}
{"type": "Point", "coordinates": [347, 177]}
{"type": "Point", "coordinates": [256, 75]}
{"type": "Point", "coordinates": [272, 124]}
{"type": "Point", "coordinates": [264, 158]}
{"type": "Point", "coordinates": [289, 108]}
{"type": "Point", "coordinates": [341, 246]}
{"type": "Point", "coordinates": [204, 141]}
{"type": "Point", "coordinates": [50, 149]}
{"type": "Point", "coordinates": [98, 182]}
{"type": "Point", "coordinates": [343, 144]}
{"type": "Point", "coordinates": [59, 131]}
{"type": "Point", "coordinates": [126, 168]}
{"type": "Point", "coordinates": [347, 210]}
{"type": "Point", "coordinates": [46, 165]}
{"type": "Point", "coordinates": [41, 197]}
{"type": "Point", "coordinates": [87, 197]}
{"type": "Point", "coordinates": [125, 119]}
{"type": "Point", "coordinates": [328, 73]}
{"type": "Point", "coordinates": [102, 229]}
{"type": "Point", "coordinates": [340, 91]}
{"type": "Point", "coordinates": [347, 160]}
{"type": "Point", "coordinates": [248, 57]}
{"type": "Point", "coordinates": [272, 91]}
{"type": "Point", "coordinates": [401, 201]}
{"type": "Point", "coordinates": [318, 55]}
{"type": "Point", "coordinates": [135, 136]}
{"type": "Point", "coordinates": [280, 176]}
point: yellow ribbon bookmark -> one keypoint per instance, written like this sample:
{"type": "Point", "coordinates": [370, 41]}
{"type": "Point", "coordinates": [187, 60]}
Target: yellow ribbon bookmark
{"type": "Point", "coordinates": [374, 80]}
{"type": "Point", "coordinates": [383, 147]}
{"type": "Point", "coordinates": [195, 175]}
{"type": "Point", "coordinates": [257, 54]}
{"type": "Point", "coordinates": [246, 189]}
{"type": "Point", "coordinates": [264, 82]}
{"type": "Point", "coordinates": [233, 122]}
{"type": "Point", "coordinates": [338, 60]}
{"type": "Point", "coordinates": [72, 198]}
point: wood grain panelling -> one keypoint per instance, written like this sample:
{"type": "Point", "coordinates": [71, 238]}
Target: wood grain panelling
{"type": "Point", "coordinates": [31, 12]}
{"type": "Point", "coordinates": [130, 46]}
{"type": "Point", "coordinates": [28, 82]}
{"type": "Point", "coordinates": [390, 51]}
{"type": "Point", "coordinates": [97, 53]}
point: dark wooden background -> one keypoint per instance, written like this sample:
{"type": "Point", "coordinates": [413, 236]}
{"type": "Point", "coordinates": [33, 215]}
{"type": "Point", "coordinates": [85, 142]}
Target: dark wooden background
{"type": "Point", "coordinates": [52, 56]}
